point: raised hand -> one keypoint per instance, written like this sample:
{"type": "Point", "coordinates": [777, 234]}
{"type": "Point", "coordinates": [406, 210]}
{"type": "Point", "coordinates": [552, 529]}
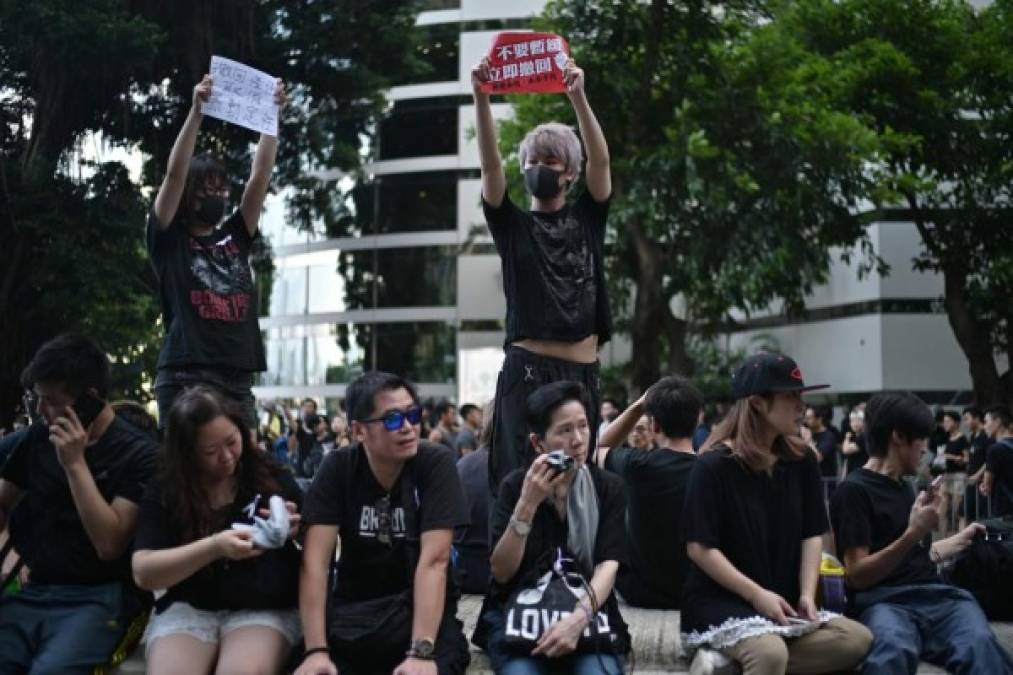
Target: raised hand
{"type": "Point", "coordinates": [202, 92]}
{"type": "Point", "coordinates": [480, 75]}
{"type": "Point", "coordinates": [69, 437]}
{"type": "Point", "coordinates": [573, 78]}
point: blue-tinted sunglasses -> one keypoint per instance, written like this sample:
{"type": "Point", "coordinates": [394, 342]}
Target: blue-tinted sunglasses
{"type": "Point", "coordinates": [394, 420]}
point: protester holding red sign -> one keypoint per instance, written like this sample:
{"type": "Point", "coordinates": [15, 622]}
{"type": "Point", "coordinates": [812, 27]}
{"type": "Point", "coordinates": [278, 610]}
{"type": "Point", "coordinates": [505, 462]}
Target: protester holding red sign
{"type": "Point", "coordinates": [527, 63]}
{"type": "Point", "coordinates": [553, 277]}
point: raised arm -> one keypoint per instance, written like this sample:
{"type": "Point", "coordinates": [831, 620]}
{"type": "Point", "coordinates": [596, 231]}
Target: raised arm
{"type": "Point", "coordinates": [539, 482]}
{"type": "Point", "coordinates": [169, 194]}
{"type": "Point", "coordinates": [597, 172]}
{"type": "Point", "coordinates": [252, 202]}
{"type": "Point", "coordinates": [493, 179]}
{"type": "Point", "coordinates": [619, 429]}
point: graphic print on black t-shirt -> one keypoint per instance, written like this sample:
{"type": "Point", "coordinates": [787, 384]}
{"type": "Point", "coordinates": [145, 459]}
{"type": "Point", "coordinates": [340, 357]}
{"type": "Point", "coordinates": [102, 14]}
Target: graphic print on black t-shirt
{"type": "Point", "coordinates": [217, 263]}
{"type": "Point", "coordinates": [553, 275]}
{"type": "Point", "coordinates": [375, 546]}
{"type": "Point", "coordinates": [208, 298]}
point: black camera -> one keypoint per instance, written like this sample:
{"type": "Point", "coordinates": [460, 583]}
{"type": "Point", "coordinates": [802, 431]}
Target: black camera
{"type": "Point", "coordinates": [559, 461]}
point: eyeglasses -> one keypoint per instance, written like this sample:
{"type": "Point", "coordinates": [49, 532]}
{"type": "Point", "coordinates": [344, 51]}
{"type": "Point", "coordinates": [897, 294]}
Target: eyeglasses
{"type": "Point", "coordinates": [383, 520]}
{"type": "Point", "coordinates": [394, 420]}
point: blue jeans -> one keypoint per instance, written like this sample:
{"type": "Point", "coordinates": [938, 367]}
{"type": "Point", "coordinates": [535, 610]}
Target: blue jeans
{"type": "Point", "coordinates": [60, 628]}
{"type": "Point", "coordinates": [505, 662]}
{"type": "Point", "coordinates": [938, 623]}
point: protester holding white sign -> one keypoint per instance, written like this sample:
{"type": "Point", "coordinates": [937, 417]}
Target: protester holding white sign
{"type": "Point", "coordinates": [201, 260]}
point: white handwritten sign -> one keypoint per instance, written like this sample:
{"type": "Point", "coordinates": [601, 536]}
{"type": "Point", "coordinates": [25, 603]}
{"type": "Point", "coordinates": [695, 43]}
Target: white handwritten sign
{"type": "Point", "coordinates": [242, 95]}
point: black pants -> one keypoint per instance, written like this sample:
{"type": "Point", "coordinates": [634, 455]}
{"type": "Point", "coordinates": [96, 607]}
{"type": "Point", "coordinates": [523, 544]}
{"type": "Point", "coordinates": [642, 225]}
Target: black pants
{"type": "Point", "coordinates": [522, 373]}
{"type": "Point", "coordinates": [234, 384]}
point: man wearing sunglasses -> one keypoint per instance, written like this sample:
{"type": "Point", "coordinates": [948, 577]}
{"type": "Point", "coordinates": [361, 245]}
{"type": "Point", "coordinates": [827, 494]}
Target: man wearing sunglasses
{"type": "Point", "coordinates": [395, 502]}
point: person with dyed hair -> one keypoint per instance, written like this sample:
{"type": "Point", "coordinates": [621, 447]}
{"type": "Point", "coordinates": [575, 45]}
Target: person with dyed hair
{"type": "Point", "coordinates": [553, 270]}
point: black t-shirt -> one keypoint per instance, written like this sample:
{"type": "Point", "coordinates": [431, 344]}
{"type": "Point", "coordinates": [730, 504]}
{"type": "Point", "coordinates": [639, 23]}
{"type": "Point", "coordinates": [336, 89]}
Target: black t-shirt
{"type": "Point", "coordinates": [758, 520]}
{"type": "Point", "coordinates": [268, 581]}
{"type": "Point", "coordinates": [553, 275]}
{"type": "Point", "coordinates": [549, 534]}
{"type": "Point", "coordinates": [48, 532]}
{"type": "Point", "coordinates": [656, 482]}
{"type": "Point", "coordinates": [872, 510]}
{"type": "Point", "coordinates": [826, 443]}
{"type": "Point", "coordinates": [956, 446]}
{"type": "Point", "coordinates": [209, 300]}
{"type": "Point", "coordinates": [857, 459]}
{"type": "Point", "coordinates": [1000, 465]}
{"type": "Point", "coordinates": [346, 493]}
{"type": "Point", "coordinates": [980, 443]}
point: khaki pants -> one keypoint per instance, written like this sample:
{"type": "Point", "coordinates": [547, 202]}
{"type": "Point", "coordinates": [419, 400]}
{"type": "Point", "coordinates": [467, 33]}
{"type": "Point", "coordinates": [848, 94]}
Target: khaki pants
{"type": "Point", "coordinates": [838, 645]}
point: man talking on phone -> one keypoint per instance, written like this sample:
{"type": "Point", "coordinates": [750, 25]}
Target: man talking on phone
{"type": "Point", "coordinates": [69, 496]}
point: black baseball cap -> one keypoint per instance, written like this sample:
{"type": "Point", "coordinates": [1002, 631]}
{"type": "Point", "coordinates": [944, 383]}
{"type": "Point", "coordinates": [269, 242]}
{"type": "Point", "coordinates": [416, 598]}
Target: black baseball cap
{"type": "Point", "coordinates": [767, 372]}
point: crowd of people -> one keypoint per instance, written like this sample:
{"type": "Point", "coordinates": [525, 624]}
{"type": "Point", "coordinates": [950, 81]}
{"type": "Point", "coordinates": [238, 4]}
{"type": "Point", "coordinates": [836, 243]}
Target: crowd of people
{"type": "Point", "coordinates": [262, 541]}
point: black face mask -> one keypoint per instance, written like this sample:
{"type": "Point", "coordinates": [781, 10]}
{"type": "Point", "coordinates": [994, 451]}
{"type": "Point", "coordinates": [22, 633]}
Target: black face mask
{"type": "Point", "coordinates": [542, 181]}
{"type": "Point", "coordinates": [211, 210]}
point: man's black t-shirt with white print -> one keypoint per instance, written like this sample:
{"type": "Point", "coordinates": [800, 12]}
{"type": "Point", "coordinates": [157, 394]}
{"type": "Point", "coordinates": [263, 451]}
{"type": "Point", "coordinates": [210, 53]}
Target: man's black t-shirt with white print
{"type": "Point", "coordinates": [870, 510]}
{"type": "Point", "coordinates": [549, 534]}
{"type": "Point", "coordinates": [553, 275]}
{"type": "Point", "coordinates": [758, 520]}
{"type": "Point", "coordinates": [209, 300]}
{"type": "Point", "coordinates": [268, 581]}
{"type": "Point", "coordinates": [371, 521]}
{"type": "Point", "coordinates": [656, 482]}
{"type": "Point", "coordinates": [45, 525]}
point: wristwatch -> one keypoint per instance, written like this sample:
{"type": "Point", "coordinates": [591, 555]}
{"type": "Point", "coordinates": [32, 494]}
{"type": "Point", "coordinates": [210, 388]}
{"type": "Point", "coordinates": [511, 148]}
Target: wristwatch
{"type": "Point", "coordinates": [422, 649]}
{"type": "Point", "coordinates": [520, 527]}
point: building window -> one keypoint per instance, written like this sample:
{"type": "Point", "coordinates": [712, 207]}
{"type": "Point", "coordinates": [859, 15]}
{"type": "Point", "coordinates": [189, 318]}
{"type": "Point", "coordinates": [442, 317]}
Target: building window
{"type": "Point", "coordinates": [418, 128]}
{"type": "Point", "coordinates": [416, 277]}
{"type": "Point", "coordinates": [437, 49]}
{"type": "Point", "coordinates": [337, 354]}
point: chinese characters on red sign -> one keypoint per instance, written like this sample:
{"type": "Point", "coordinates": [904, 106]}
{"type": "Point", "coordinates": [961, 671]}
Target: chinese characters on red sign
{"type": "Point", "coordinates": [531, 63]}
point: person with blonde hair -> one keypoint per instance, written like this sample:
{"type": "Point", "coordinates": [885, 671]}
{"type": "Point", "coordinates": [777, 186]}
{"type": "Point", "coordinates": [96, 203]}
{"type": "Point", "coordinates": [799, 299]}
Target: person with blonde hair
{"type": "Point", "coordinates": [754, 519]}
{"type": "Point", "coordinates": [553, 278]}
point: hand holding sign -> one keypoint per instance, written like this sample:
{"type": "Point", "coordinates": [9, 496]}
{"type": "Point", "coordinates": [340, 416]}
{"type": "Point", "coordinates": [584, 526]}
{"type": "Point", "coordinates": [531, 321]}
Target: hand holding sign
{"type": "Point", "coordinates": [525, 63]}
{"type": "Point", "coordinates": [241, 95]}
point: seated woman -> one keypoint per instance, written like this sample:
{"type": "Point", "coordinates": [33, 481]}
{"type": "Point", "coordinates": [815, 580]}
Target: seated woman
{"type": "Point", "coordinates": [754, 520]}
{"type": "Point", "coordinates": [229, 606]}
{"type": "Point", "coordinates": [568, 522]}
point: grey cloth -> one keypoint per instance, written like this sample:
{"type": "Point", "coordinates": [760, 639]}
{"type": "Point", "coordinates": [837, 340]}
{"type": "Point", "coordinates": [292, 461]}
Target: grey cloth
{"type": "Point", "coordinates": [582, 516]}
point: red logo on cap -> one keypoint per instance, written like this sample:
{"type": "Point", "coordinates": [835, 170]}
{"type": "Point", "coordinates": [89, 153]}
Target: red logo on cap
{"type": "Point", "coordinates": [797, 374]}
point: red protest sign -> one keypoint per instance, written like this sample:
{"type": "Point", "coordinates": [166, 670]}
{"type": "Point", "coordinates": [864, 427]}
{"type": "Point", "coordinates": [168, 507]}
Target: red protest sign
{"type": "Point", "coordinates": [527, 63]}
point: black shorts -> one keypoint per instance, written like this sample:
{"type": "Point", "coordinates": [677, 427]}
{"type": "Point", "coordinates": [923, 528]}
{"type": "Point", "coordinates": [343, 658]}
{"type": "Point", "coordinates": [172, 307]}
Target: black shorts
{"type": "Point", "coordinates": [522, 373]}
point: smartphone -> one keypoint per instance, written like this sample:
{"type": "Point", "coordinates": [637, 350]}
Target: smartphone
{"type": "Point", "coordinates": [87, 407]}
{"type": "Point", "coordinates": [934, 487]}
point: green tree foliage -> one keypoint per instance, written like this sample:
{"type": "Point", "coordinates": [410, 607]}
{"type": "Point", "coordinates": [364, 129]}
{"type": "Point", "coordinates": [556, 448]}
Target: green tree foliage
{"type": "Point", "coordinates": [930, 80]}
{"type": "Point", "coordinates": [72, 233]}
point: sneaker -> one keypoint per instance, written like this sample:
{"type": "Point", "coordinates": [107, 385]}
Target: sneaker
{"type": "Point", "coordinates": [712, 662]}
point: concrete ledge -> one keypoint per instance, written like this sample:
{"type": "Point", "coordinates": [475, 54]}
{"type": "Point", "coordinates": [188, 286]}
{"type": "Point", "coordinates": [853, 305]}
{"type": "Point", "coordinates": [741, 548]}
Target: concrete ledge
{"type": "Point", "coordinates": [655, 641]}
